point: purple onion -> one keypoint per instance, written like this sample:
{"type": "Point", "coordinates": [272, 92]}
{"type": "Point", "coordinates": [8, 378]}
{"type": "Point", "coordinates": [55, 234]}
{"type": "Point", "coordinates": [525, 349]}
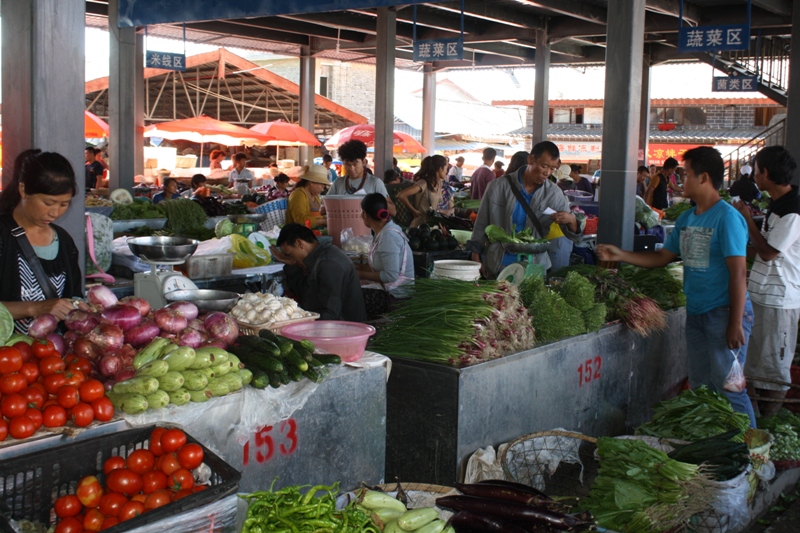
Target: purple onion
{"type": "Point", "coordinates": [139, 303]}
{"type": "Point", "coordinates": [215, 343]}
{"type": "Point", "coordinates": [126, 372]}
{"type": "Point", "coordinates": [191, 338]}
{"type": "Point", "coordinates": [110, 365]}
{"type": "Point", "coordinates": [124, 317]}
{"type": "Point", "coordinates": [81, 321]}
{"type": "Point", "coordinates": [221, 326]}
{"type": "Point", "coordinates": [170, 320]}
{"type": "Point", "coordinates": [187, 310]}
{"type": "Point", "coordinates": [197, 324]}
{"type": "Point", "coordinates": [142, 334]}
{"type": "Point", "coordinates": [58, 342]}
{"type": "Point", "coordinates": [101, 296]}
{"type": "Point", "coordinates": [42, 326]}
{"type": "Point", "coordinates": [107, 337]}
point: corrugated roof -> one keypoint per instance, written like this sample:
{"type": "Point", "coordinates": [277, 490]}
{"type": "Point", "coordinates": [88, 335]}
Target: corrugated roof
{"type": "Point", "coordinates": [580, 132]}
{"type": "Point", "coordinates": [654, 102]}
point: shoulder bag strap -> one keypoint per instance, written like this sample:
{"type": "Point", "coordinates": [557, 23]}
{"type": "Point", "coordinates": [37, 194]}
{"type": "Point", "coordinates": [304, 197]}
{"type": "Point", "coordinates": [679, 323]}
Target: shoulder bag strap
{"type": "Point", "coordinates": [33, 261]}
{"type": "Point", "coordinates": [526, 206]}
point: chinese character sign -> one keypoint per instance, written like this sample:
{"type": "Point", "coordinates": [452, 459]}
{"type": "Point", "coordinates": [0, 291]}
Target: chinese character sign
{"type": "Point", "coordinates": [438, 50]}
{"type": "Point", "coordinates": [734, 84]}
{"type": "Point", "coordinates": [165, 60]}
{"type": "Point", "coordinates": [714, 38]}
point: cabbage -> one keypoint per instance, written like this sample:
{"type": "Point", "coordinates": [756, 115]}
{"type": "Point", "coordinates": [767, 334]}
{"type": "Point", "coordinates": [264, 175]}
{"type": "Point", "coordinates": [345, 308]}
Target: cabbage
{"type": "Point", "coordinates": [6, 324]}
{"type": "Point", "coordinates": [223, 228]}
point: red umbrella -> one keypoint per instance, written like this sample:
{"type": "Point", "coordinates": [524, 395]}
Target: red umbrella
{"type": "Point", "coordinates": [205, 129]}
{"type": "Point", "coordinates": [286, 134]}
{"type": "Point", "coordinates": [402, 142]}
{"type": "Point", "coordinates": [94, 126]}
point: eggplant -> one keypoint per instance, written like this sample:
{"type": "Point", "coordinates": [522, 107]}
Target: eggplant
{"type": "Point", "coordinates": [504, 493]}
{"type": "Point", "coordinates": [515, 512]}
{"type": "Point", "coordinates": [480, 523]}
{"type": "Point", "coordinates": [517, 486]}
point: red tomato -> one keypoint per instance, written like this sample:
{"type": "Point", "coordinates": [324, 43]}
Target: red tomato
{"type": "Point", "coordinates": [25, 350]}
{"type": "Point", "coordinates": [34, 397]}
{"type": "Point", "coordinates": [124, 481]}
{"type": "Point", "coordinates": [76, 377]}
{"type": "Point", "coordinates": [35, 415]}
{"type": "Point", "coordinates": [139, 498]}
{"type": "Point", "coordinates": [42, 348]}
{"type": "Point", "coordinates": [89, 491]}
{"type": "Point", "coordinates": [51, 365]}
{"type": "Point", "coordinates": [93, 521]}
{"type": "Point", "coordinates": [153, 481]}
{"type": "Point", "coordinates": [158, 499]}
{"type": "Point", "coordinates": [54, 382]}
{"type": "Point", "coordinates": [110, 521]}
{"type": "Point", "coordinates": [182, 494]}
{"type": "Point", "coordinates": [91, 390]}
{"type": "Point", "coordinates": [54, 416]}
{"type": "Point", "coordinates": [168, 463]}
{"type": "Point", "coordinates": [190, 456]}
{"type": "Point", "coordinates": [21, 427]}
{"type": "Point", "coordinates": [155, 441]}
{"type": "Point", "coordinates": [68, 505]}
{"type": "Point", "coordinates": [12, 383]}
{"type": "Point", "coordinates": [112, 463]}
{"type": "Point", "coordinates": [13, 405]}
{"type": "Point", "coordinates": [172, 439]}
{"type": "Point", "coordinates": [3, 430]}
{"type": "Point", "coordinates": [199, 488]}
{"type": "Point", "coordinates": [68, 396]}
{"type": "Point", "coordinates": [82, 414]}
{"type": "Point", "coordinates": [140, 461]}
{"type": "Point", "coordinates": [10, 360]}
{"type": "Point", "coordinates": [112, 503]}
{"type": "Point", "coordinates": [70, 525]}
{"type": "Point", "coordinates": [103, 409]}
{"type": "Point", "coordinates": [131, 510]}
{"type": "Point", "coordinates": [80, 364]}
{"type": "Point", "coordinates": [30, 371]}
{"type": "Point", "coordinates": [39, 385]}
{"type": "Point", "coordinates": [180, 479]}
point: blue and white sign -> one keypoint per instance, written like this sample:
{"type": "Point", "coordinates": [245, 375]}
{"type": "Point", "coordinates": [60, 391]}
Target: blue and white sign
{"type": "Point", "coordinates": [439, 50]}
{"type": "Point", "coordinates": [714, 38]}
{"type": "Point", "coordinates": [165, 60]}
{"type": "Point", "coordinates": [738, 84]}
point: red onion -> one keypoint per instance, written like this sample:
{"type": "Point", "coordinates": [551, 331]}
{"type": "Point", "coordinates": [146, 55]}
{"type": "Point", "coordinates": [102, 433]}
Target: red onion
{"type": "Point", "coordinates": [110, 365]}
{"type": "Point", "coordinates": [124, 317]}
{"type": "Point", "coordinates": [81, 321]}
{"type": "Point", "coordinates": [83, 348]}
{"type": "Point", "coordinates": [109, 384]}
{"type": "Point", "coordinates": [142, 334]}
{"type": "Point", "coordinates": [196, 324]}
{"type": "Point", "coordinates": [216, 343]}
{"type": "Point", "coordinates": [126, 372]}
{"type": "Point", "coordinates": [221, 326]}
{"type": "Point", "coordinates": [70, 337]}
{"type": "Point", "coordinates": [187, 309]}
{"type": "Point", "coordinates": [191, 338]}
{"type": "Point", "coordinates": [139, 303]}
{"type": "Point", "coordinates": [170, 320]}
{"type": "Point", "coordinates": [58, 342]}
{"type": "Point", "coordinates": [101, 296]}
{"type": "Point", "coordinates": [107, 337]}
{"type": "Point", "coordinates": [167, 335]}
{"type": "Point", "coordinates": [42, 326]}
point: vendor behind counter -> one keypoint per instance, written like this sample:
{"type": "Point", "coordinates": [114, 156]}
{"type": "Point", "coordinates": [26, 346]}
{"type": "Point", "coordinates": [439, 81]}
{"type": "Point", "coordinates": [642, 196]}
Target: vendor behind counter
{"type": "Point", "coordinates": [304, 202]}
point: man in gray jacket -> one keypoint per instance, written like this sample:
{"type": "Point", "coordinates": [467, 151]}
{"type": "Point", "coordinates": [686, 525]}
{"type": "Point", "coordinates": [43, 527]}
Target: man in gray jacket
{"type": "Point", "coordinates": [500, 207]}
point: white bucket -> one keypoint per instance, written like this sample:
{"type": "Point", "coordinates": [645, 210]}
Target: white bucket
{"type": "Point", "coordinates": [456, 269]}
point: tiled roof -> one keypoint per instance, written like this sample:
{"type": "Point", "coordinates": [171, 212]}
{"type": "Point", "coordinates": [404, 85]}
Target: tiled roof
{"type": "Point", "coordinates": [594, 132]}
{"type": "Point", "coordinates": [654, 102]}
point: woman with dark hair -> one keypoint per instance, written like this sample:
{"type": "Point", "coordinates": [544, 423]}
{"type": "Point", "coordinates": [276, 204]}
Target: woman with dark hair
{"type": "Point", "coordinates": [170, 191]}
{"type": "Point", "coordinates": [304, 202]}
{"type": "Point", "coordinates": [391, 263]}
{"type": "Point", "coordinates": [38, 260]}
{"type": "Point", "coordinates": [518, 160]}
{"type": "Point", "coordinates": [280, 189]}
{"type": "Point", "coordinates": [427, 188]}
{"type": "Point", "coordinates": [198, 182]}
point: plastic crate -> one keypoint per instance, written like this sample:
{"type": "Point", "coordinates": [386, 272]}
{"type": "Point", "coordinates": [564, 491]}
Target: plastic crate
{"type": "Point", "coordinates": [207, 266]}
{"type": "Point", "coordinates": [30, 484]}
{"type": "Point", "coordinates": [275, 211]}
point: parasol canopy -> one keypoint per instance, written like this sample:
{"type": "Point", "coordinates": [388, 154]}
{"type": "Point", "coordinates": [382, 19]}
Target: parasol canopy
{"type": "Point", "coordinates": [205, 129]}
{"type": "Point", "coordinates": [286, 134]}
{"type": "Point", "coordinates": [94, 127]}
{"type": "Point", "coordinates": [402, 142]}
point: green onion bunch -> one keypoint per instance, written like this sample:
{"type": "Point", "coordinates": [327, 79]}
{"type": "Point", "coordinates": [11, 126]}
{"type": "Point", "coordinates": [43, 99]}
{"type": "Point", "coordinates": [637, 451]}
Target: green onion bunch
{"type": "Point", "coordinates": [183, 215]}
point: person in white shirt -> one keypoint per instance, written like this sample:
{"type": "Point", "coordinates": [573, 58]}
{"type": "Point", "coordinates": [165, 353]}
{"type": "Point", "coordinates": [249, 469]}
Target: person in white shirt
{"type": "Point", "coordinates": [774, 283]}
{"type": "Point", "coordinates": [456, 172]}
{"type": "Point", "coordinates": [356, 179]}
{"type": "Point", "coordinates": [239, 174]}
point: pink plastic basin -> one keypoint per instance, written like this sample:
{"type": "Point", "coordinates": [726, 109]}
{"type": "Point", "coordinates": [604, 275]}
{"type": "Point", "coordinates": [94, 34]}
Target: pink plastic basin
{"type": "Point", "coordinates": [345, 339]}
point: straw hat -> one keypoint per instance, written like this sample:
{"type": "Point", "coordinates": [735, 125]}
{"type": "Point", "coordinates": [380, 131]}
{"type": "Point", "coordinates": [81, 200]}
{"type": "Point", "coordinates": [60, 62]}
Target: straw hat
{"type": "Point", "coordinates": [316, 174]}
{"type": "Point", "coordinates": [562, 174]}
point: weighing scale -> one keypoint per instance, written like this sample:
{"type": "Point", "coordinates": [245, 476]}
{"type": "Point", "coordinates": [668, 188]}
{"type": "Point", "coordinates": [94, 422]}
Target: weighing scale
{"type": "Point", "coordinates": [525, 266]}
{"type": "Point", "coordinates": [165, 252]}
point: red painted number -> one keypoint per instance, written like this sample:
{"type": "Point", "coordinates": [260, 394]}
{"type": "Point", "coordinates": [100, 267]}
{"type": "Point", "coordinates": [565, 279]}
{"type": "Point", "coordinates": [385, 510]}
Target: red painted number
{"type": "Point", "coordinates": [289, 430]}
{"type": "Point", "coordinates": [589, 371]}
{"type": "Point", "coordinates": [264, 445]}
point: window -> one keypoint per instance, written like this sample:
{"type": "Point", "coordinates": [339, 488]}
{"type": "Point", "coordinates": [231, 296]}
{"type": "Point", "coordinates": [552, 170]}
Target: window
{"type": "Point", "coordinates": [690, 116]}
{"type": "Point", "coordinates": [323, 86]}
{"type": "Point", "coordinates": [563, 115]}
{"type": "Point", "coordinates": [593, 115]}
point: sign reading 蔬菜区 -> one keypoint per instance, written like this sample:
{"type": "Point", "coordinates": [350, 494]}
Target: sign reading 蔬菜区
{"type": "Point", "coordinates": [734, 84]}
{"type": "Point", "coordinates": [439, 50]}
{"type": "Point", "coordinates": [714, 38]}
{"type": "Point", "coordinates": [165, 60]}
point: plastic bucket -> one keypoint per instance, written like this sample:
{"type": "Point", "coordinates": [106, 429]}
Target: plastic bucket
{"type": "Point", "coordinates": [456, 269]}
{"type": "Point", "coordinates": [344, 211]}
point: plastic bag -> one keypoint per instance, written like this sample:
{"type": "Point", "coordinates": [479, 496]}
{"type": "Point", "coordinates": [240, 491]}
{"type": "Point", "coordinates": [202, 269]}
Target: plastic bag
{"type": "Point", "coordinates": [359, 245]}
{"type": "Point", "coordinates": [735, 382]}
{"type": "Point", "coordinates": [246, 254]}
{"type": "Point", "coordinates": [645, 215]}
{"type": "Point", "coordinates": [728, 510]}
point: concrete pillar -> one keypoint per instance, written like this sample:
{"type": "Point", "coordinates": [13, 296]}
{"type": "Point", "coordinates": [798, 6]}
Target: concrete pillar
{"type": "Point", "coordinates": [384, 88]}
{"type": "Point", "coordinates": [307, 106]}
{"type": "Point", "coordinates": [792, 141]}
{"type": "Point", "coordinates": [644, 115]}
{"type": "Point", "coordinates": [125, 102]}
{"type": "Point", "coordinates": [43, 100]}
{"type": "Point", "coordinates": [541, 110]}
{"type": "Point", "coordinates": [429, 108]}
{"type": "Point", "coordinates": [621, 125]}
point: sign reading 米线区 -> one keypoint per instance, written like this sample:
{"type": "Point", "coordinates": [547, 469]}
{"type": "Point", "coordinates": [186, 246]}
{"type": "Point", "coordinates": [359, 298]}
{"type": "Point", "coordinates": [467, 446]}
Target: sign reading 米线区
{"type": "Point", "coordinates": [658, 153]}
{"type": "Point", "coordinates": [714, 38]}
{"type": "Point", "coordinates": [439, 50]}
{"type": "Point", "coordinates": [165, 60]}
{"type": "Point", "coordinates": [734, 84]}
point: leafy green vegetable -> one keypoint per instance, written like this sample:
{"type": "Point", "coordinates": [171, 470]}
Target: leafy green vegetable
{"type": "Point", "coordinates": [594, 317]}
{"type": "Point", "coordinates": [466, 203]}
{"type": "Point", "coordinates": [224, 227]}
{"type": "Point", "coordinates": [552, 317]}
{"type": "Point", "coordinates": [183, 214]}
{"type": "Point", "coordinates": [676, 210]}
{"type": "Point", "coordinates": [498, 234]}
{"type": "Point", "coordinates": [785, 428]}
{"type": "Point", "coordinates": [577, 291]}
{"type": "Point", "coordinates": [6, 324]}
{"type": "Point", "coordinates": [656, 283]}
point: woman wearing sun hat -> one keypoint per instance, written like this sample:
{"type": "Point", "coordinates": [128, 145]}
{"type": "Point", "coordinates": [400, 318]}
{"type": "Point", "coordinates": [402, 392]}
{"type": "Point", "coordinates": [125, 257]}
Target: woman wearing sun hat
{"type": "Point", "coordinates": [304, 202]}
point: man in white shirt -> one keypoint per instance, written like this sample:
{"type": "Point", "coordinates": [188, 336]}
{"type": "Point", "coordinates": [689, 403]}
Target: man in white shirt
{"type": "Point", "coordinates": [239, 174]}
{"type": "Point", "coordinates": [357, 180]}
{"type": "Point", "coordinates": [774, 284]}
{"type": "Point", "coordinates": [456, 173]}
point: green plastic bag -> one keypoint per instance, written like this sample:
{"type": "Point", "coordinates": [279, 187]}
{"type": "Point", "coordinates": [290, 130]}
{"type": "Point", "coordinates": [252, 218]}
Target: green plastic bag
{"type": "Point", "coordinates": [246, 254]}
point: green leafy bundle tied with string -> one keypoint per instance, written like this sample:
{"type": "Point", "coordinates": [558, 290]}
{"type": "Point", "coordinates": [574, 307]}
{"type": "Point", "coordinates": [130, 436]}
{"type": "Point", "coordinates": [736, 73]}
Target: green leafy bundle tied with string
{"type": "Point", "coordinates": [184, 215]}
{"type": "Point", "coordinates": [552, 317]}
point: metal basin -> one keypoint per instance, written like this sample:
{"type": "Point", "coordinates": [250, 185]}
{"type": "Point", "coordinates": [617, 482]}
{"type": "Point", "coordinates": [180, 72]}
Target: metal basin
{"type": "Point", "coordinates": [167, 249]}
{"type": "Point", "coordinates": [205, 299]}
{"type": "Point", "coordinates": [253, 218]}
{"type": "Point", "coordinates": [526, 247]}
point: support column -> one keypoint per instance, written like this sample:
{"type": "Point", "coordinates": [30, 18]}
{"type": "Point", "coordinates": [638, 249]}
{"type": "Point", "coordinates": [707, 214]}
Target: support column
{"type": "Point", "coordinates": [125, 102]}
{"type": "Point", "coordinates": [792, 135]}
{"type": "Point", "coordinates": [644, 114]}
{"type": "Point", "coordinates": [541, 109]}
{"type": "Point", "coordinates": [43, 101]}
{"type": "Point", "coordinates": [623, 90]}
{"type": "Point", "coordinates": [429, 108]}
{"type": "Point", "coordinates": [384, 88]}
{"type": "Point", "coordinates": [307, 106]}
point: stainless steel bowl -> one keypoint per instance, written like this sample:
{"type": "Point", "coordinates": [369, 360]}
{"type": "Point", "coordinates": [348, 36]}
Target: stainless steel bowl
{"type": "Point", "coordinates": [169, 249]}
{"type": "Point", "coordinates": [253, 218]}
{"type": "Point", "coordinates": [205, 299]}
{"type": "Point", "coordinates": [525, 247]}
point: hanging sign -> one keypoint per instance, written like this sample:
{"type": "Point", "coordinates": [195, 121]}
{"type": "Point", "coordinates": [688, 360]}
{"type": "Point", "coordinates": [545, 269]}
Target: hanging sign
{"type": "Point", "coordinates": [714, 38]}
{"type": "Point", "coordinates": [734, 84]}
{"type": "Point", "coordinates": [165, 60]}
{"type": "Point", "coordinates": [439, 50]}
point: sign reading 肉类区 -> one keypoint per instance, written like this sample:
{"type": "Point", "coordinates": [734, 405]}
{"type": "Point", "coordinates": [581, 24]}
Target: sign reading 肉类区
{"type": "Point", "coordinates": [165, 60]}
{"type": "Point", "coordinates": [439, 50]}
{"type": "Point", "coordinates": [714, 38]}
{"type": "Point", "coordinates": [734, 84]}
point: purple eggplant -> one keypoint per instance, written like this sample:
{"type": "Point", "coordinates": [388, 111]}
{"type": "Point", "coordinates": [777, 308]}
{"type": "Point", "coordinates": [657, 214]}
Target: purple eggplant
{"type": "Point", "coordinates": [504, 493]}
{"type": "Point", "coordinates": [480, 523]}
{"type": "Point", "coordinates": [517, 486]}
{"type": "Point", "coordinates": [514, 512]}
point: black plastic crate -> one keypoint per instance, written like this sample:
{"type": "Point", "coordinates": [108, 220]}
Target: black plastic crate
{"type": "Point", "coordinates": [30, 484]}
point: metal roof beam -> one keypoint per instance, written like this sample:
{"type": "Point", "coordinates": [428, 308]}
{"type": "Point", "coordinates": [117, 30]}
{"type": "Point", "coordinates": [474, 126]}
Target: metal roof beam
{"type": "Point", "coordinates": [571, 8]}
{"type": "Point", "coordinates": [229, 28]}
{"type": "Point", "coordinates": [491, 12]}
{"type": "Point", "coordinates": [300, 27]}
{"type": "Point", "coordinates": [673, 8]}
{"type": "Point", "coordinates": [777, 7]}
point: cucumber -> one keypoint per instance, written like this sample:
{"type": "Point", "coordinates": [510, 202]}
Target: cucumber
{"type": "Point", "coordinates": [316, 374]}
{"type": "Point", "coordinates": [433, 527]}
{"type": "Point", "coordinates": [200, 396]}
{"type": "Point", "coordinates": [286, 346]}
{"type": "Point", "coordinates": [131, 403]}
{"type": "Point", "coordinates": [328, 358]}
{"type": "Point", "coordinates": [308, 345]}
{"type": "Point", "coordinates": [194, 379]}
{"type": "Point", "coordinates": [168, 348]}
{"type": "Point", "coordinates": [246, 375]}
{"type": "Point", "coordinates": [257, 361]}
{"type": "Point", "coordinates": [268, 335]}
{"type": "Point", "coordinates": [274, 381]}
{"type": "Point", "coordinates": [179, 397]}
{"type": "Point", "coordinates": [392, 527]}
{"type": "Point", "coordinates": [181, 359]}
{"type": "Point", "coordinates": [315, 362]}
{"type": "Point", "coordinates": [294, 373]}
{"type": "Point", "coordinates": [158, 400]}
{"type": "Point", "coordinates": [155, 368]}
{"type": "Point", "coordinates": [171, 381]}
{"type": "Point", "coordinates": [283, 377]}
{"type": "Point", "coordinates": [305, 354]}
{"type": "Point", "coordinates": [219, 387]}
{"type": "Point", "coordinates": [144, 385]}
{"type": "Point", "coordinates": [260, 380]}
{"type": "Point", "coordinates": [260, 345]}
{"type": "Point", "coordinates": [295, 360]}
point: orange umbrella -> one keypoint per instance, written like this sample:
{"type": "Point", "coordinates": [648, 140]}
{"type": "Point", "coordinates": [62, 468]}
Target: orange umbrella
{"type": "Point", "coordinates": [402, 142]}
{"type": "Point", "coordinates": [93, 126]}
{"type": "Point", "coordinates": [286, 134]}
{"type": "Point", "coordinates": [205, 129]}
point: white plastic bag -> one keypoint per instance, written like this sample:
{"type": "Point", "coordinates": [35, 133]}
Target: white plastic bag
{"type": "Point", "coordinates": [735, 382]}
{"type": "Point", "coordinates": [351, 243]}
{"type": "Point", "coordinates": [728, 510]}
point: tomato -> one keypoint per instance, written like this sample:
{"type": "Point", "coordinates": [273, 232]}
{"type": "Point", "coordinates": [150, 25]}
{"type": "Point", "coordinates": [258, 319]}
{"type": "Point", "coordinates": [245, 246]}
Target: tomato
{"type": "Point", "coordinates": [10, 360]}
{"type": "Point", "coordinates": [89, 491]}
{"type": "Point", "coordinates": [54, 416]}
{"type": "Point", "coordinates": [110, 521]}
{"type": "Point", "coordinates": [140, 461]}
{"type": "Point", "coordinates": [54, 382]}
{"type": "Point", "coordinates": [112, 503]}
{"type": "Point", "coordinates": [124, 481]}
{"type": "Point", "coordinates": [155, 441]}
{"type": "Point", "coordinates": [34, 397]}
{"type": "Point", "coordinates": [13, 405]}
{"type": "Point", "coordinates": [91, 390]}
{"type": "Point", "coordinates": [68, 505]}
{"type": "Point", "coordinates": [190, 456]}
{"type": "Point", "coordinates": [172, 439]}
{"type": "Point", "coordinates": [38, 385]}
{"type": "Point", "coordinates": [21, 427]}
{"type": "Point", "coordinates": [158, 499]}
{"type": "Point", "coordinates": [199, 488]}
{"type": "Point", "coordinates": [93, 521]}
{"type": "Point", "coordinates": [36, 416]}
{"type": "Point", "coordinates": [182, 494]}
{"type": "Point", "coordinates": [168, 463]}
{"type": "Point", "coordinates": [153, 481]}
{"type": "Point", "coordinates": [70, 525]}
{"type": "Point", "coordinates": [113, 463]}
{"type": "Point", "coordinates": [42, 348]}
{"type": "Point", "coordinates": [76, 377]}
{"type": "Point", "coordinates": [51, 365]}
{"type": "Point", "coordinates": [103, 409]}
{"type": "Point", "coordinates": [25, 350]}
{"type": "Point", "coordinates": [12, 383]}
{"type": "Point", "coordinates": [30, 371]}
{"type": "Point", "coordinates": [82, 414]}
{"type": "Point", "coordinates": [80, 364]}
{"type": "Point", "coordinates": [180, 479]}
{"type": "Point", "coordinates": [131, 510]}
{"type": "Point", "coordinates": [139, 498]}
{"type": "Point", "coordinates": [68, 396]}
{"type": "Point", "coordinates": [3, 430]}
